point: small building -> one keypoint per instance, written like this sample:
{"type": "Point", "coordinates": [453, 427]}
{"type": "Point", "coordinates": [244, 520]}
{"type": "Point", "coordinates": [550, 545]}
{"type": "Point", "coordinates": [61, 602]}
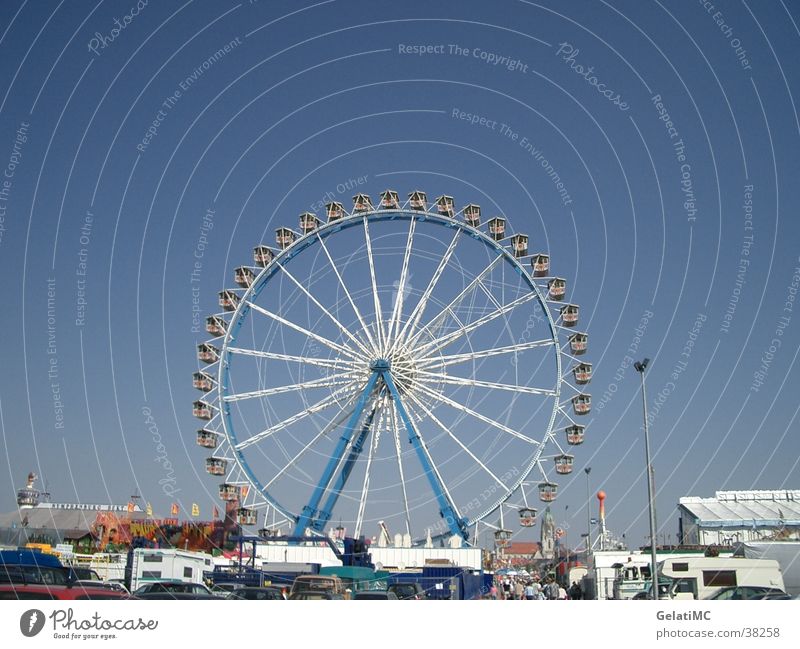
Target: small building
{"type": "Point", "coordinates": [522, 553]}
{"type": "Point", "coordinates": [739, 516]}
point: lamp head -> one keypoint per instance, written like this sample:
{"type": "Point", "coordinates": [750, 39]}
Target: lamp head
{"type": "Point", "coordinates": [639, 366]}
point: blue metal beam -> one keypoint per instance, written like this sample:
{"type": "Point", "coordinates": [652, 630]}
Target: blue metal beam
{"type": "Point", "coordinates": [457, 525]}
{"type": "Point", "coordinates": [347, 468]}
{"type": "Point", "coordinates": [309, 513]}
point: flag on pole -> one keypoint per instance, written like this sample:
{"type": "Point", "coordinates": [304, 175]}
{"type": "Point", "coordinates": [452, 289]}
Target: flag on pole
{"type": "Point", "coordinates": [215, 513]}
{"type": "Point", "coordinates": [195, 509]}
{"type": "Point", "coordinates": [174, 509]}
{"type": "Point", "coordinates": [245, 491]}
{"type": "Point", "coordinates": [130, 507]}
{"type": "Point", "coordinates": [149, 510]}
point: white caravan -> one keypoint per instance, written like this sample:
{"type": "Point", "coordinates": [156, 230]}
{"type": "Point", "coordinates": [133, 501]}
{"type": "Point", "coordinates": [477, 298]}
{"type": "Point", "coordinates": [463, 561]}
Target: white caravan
{"type": "Point", "coordinates": [150, 565]}
{"type": "Point", "coordinates": [700, 577]}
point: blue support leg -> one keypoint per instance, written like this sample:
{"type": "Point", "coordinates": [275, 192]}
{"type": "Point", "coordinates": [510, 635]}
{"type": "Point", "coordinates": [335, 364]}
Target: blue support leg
{"type": "Point", "coordinates": [309, 513]}
{"type": "Point", "coordinates": [457, 525]}
{"type": "Point", "coordinates": [347, 468]}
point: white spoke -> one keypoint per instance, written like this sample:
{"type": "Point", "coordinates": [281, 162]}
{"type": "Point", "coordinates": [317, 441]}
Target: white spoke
{"type": "Point", "coordinates": [327, 429]}
{"type": "Point", "coordinates": [349, 297]}
{"type": "Point", "coordinates": [398, 452]}
{"type": "Point", "coordinates": [321, 339]}
{"type": "Point", "coordinates": [487, 420]}
{"type": "Point", "coordinates": [336, 364]}
{"type": "Point", "coordinates": [323, 382]}
{"type": "Point", "coordinates": [377, 422]}
{"type": "Point", "coordinates": [331, 317]}
{"type": "Point", "coordinates": [436, 377]}
{"type": "Point", "coordinates": [412, 336]}
{"type": "Point", "coordinates": [458, 441]}
{"type": "Point", "coordinates": [452, 359]}
{"type": "Point", "coordinates": [419, 309]}
{"type": "Point", "coordinates": [327, 402]}
{"type": "Point", "coordinates": [439, 343]}
{"type": "Point", "coordinates": [375, 297]}
{"type": "Point", "coordinates": [394, 322]}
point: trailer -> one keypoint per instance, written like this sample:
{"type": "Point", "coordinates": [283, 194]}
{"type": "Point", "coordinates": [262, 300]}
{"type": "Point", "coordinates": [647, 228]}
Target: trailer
{"type": "Point", "coordinates": [146, 565]}
{"type": "Point", "coordinates": [446, 582]}
{"type": "Point", "coordinates": [701, 577]}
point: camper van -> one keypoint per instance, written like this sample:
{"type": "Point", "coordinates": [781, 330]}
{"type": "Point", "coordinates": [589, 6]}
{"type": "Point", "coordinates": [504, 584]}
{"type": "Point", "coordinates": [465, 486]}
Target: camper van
{"type": "Point", "coordinates": [701, 577]}
{"type": "Point", "coordinates": [149, 565]}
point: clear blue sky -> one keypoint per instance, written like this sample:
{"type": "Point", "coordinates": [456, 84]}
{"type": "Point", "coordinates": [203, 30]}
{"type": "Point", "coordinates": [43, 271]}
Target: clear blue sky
{"type": "Point", "coordinates": [675, 222]}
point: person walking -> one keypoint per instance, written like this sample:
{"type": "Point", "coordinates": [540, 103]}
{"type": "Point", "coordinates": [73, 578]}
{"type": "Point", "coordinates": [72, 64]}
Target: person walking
{"type": "Point", "coordinates": [530, 591]}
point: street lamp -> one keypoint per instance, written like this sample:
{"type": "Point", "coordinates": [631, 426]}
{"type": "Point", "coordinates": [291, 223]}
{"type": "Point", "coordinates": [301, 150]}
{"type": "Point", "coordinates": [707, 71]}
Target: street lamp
{"type": "Point", "coordinates": [640, 367]}
{"type": "Point", "coordinates": [588, 470]}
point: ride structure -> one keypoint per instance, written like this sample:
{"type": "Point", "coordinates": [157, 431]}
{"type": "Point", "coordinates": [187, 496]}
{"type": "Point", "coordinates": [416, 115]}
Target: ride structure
{"type": "Point", "coordinates": [478, 391]}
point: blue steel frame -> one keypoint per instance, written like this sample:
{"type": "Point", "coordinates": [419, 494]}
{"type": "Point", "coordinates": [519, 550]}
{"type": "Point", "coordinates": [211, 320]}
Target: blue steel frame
{"type": "Point", "coordinates": [308, 516]}
{"type": "Point", "coordinates": [316, 519]}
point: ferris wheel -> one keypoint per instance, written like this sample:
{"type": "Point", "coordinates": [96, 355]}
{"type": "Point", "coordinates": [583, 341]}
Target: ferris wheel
{"type": "Point", "coordinates": [403, 362]}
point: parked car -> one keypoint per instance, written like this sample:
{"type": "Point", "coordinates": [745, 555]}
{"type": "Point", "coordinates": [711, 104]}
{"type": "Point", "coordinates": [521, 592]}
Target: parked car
{"type": "Point", "coordinates": [748, 592]}
{"type": "Point", "coordinates": [252, 592]}
{"type": "Point", "coordinates": [44, 591]}
{"type": "Point", "coordinates": [327, 583]}
{"type": "Point", "coordinates": [315, 594]}
{"type": "Point", "coordinates": [103, 585]}
{"type": "Point", "coordinates": [407, 590]}
{"type": "Point", "coordinates": [175, 596]}
{"type": "Point", "coordinates": [79, 573]}
{"type": "Point", "coordinates": [375, 594]}
{"type": "Point", "coordinates": [164, 589]}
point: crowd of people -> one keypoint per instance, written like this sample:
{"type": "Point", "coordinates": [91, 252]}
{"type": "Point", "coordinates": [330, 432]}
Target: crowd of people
{"type": "Point", "coordinates": [533, 587]}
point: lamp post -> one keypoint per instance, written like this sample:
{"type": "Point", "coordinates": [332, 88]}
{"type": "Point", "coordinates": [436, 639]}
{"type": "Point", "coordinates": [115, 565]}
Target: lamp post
{"type": "Point", "coordinates": [588, 470]}
{"type": "Point", "coordinates": [640, 367]}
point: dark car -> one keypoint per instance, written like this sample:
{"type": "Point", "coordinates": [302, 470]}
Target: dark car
{"type": "Point", "coordinates": [173, 590]}
{"type": "Point", "coordinates": [748, 592]}
{"type": "Point", "coordinates": [252, 592]}
{"type": "Point", "coordinates": [175, 596]}
{"type": "Point", "coordinates": [375, 594]}
{"type": "Point", "coordinates": [315, 594]}
{"type": "Point", "coordinates": [407, 590]}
